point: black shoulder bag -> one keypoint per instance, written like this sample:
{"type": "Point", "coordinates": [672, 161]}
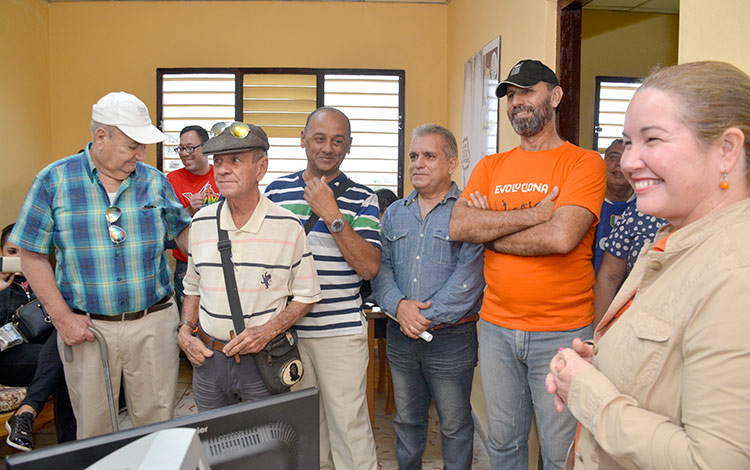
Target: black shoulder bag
{"type": "Point", "coordinates": [33, 322]}
{"type": "Point", "coordinates": [279, 362]}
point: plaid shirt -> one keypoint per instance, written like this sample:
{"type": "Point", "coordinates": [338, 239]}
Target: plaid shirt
{"type": "Point", "coordinates": [66, 207]}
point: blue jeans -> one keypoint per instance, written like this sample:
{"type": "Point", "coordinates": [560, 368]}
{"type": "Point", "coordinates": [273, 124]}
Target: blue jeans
{"type": "Point", "coordinates": [514, 366]}
{"type": "Point", "coordinates": [441, 370]}
{"type": "Point", "coordinates": [180, 268]}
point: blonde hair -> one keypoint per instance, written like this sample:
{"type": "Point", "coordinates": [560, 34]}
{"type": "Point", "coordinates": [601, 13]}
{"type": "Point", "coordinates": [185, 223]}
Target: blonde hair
{"type": "Point", "coordinates": [712, 97]}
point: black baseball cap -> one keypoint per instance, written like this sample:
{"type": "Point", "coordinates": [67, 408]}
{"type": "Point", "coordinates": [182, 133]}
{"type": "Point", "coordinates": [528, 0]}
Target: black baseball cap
{"type": "Point", "coordinates": [526, 74]}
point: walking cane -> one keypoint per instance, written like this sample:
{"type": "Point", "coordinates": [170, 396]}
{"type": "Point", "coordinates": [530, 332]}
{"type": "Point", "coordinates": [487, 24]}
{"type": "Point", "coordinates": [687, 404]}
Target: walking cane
{"type": "Point", "coordinates": [103, 350]}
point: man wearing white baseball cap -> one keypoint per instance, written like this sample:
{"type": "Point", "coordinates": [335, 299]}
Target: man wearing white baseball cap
{"type": "Point", "coordinates": [107, 214]}
{"type": "Point", "coordinates": [129, 114]}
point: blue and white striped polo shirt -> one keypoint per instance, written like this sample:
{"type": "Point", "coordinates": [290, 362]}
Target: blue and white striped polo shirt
{"type": "Point", "coordinates": [338, 313]}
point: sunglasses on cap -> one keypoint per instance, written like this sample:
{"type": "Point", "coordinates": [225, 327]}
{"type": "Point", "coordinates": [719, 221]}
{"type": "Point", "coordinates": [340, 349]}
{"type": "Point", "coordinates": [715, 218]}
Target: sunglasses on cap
{"type": "Point", "coordinates": [237, 129]}
{"type": "Point", "coordinates": [116, 233]}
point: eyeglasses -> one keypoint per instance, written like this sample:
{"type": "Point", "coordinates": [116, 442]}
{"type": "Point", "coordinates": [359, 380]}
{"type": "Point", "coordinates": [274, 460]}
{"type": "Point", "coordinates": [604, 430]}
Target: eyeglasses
{"type": "Point", "coordinates": [189, 149]}
{"type": "Point", "coordinates": [237, 128]}
{"type": "Point", "coordinates": [116, 233]}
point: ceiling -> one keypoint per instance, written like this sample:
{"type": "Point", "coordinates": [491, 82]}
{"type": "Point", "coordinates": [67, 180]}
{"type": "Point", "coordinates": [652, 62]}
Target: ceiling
{"type": "Point", "coordinates": [641, 6]}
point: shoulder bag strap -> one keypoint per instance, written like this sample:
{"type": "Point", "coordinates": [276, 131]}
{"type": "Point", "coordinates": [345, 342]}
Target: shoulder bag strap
{"type": "Point", "coordinates": [225, 249]}
{"type": "Point", "coordinates": [343, 186]}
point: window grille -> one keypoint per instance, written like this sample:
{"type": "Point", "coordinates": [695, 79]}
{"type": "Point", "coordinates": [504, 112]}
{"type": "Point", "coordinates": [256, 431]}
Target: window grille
{"type": "Point", "coordinates": [613, 94]}
{"type": "Point", "coordinates": [279, 101]}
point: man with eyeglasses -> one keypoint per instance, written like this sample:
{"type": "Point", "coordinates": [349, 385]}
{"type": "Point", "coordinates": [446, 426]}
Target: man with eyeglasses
{"type": "Point", "coordinates": [345, 241]}
{"type": "Point", "coordinates": [195, 187]}
{"type": "Point", "coordinates": [107, 214]}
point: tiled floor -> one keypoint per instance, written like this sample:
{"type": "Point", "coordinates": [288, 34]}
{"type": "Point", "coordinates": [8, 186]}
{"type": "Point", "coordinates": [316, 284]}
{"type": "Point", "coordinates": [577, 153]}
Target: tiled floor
{"type": "Point", "coordinates": [385, 439]}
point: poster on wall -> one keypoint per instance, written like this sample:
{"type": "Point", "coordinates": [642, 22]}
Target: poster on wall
{"type": "Point", "coordinates": [480, 116]}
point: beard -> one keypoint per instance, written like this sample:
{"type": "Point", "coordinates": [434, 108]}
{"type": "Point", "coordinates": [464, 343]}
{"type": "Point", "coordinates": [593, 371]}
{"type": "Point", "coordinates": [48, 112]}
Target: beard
{"type": "Point", "coordinates": [527, 127]}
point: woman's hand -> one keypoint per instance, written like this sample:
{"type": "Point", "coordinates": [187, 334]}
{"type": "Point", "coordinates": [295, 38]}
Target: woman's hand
{"type": "Point", "coordinates": [564, 368]}
{"type": "Point", "coordinates": [6, 279]}
{"type": "Point", "coordinates": [586, 351]}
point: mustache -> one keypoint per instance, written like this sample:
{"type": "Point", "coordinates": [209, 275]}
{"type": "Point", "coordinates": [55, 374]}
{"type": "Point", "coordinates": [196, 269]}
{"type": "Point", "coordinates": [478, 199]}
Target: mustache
{"type": "Point", "coordinates": [521, 108]}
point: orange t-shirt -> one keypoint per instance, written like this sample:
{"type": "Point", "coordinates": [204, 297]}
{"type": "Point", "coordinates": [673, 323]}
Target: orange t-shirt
{"type": "Point", "coordinates": [541, 293]}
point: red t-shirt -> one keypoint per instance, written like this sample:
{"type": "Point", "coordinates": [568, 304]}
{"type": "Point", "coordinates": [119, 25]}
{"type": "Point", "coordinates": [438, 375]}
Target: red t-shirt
{"type": "Point", "coordinates": [541, 293]}
{"type": "Point", "coordinates": [185, 184]}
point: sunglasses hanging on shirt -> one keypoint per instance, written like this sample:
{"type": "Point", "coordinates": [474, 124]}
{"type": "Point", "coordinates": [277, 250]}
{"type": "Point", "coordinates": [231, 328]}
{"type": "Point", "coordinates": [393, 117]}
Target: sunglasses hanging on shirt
{"type": "Point", "coordinates": [116, 233]}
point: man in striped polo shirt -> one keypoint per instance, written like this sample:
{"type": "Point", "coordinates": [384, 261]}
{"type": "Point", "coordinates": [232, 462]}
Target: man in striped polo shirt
{"type": "Point", "coordinates": [345, 243]}
{"type": "Point", "coordinates": [271, 260]}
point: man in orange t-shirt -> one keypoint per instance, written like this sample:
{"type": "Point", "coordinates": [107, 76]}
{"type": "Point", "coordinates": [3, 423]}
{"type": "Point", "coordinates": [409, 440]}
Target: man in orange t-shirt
{"type": "Point", "coordinates": [535, 208]}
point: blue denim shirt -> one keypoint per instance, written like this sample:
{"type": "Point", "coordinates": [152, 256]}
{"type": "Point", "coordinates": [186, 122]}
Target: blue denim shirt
{"type": "Point", "coordinates": [421, 262]}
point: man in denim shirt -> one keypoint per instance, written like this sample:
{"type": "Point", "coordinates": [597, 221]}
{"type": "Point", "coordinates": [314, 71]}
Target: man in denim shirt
{"type": "Point", "coordinates": [430, 283]}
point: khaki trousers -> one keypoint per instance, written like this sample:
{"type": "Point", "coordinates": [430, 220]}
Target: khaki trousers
{"type": "Point", "coordinates": [144, 353]}
{"type": "Point", "coordinates": [338, 367]}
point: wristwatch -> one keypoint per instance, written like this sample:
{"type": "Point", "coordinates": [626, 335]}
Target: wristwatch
{"type": "Point", "coordinates": [193, 326]}
{"type": "Point", "coordinates": [336, 226]}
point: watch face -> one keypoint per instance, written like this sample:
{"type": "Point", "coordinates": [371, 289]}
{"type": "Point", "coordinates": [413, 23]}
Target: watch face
{"type": "Point", "coordinates": [337, 225]}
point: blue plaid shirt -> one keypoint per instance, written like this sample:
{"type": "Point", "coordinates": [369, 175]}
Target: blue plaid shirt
{"type": "Point", "coordinates": [66, 207]}
{"type": "Point", "coordinates": [420, 261]}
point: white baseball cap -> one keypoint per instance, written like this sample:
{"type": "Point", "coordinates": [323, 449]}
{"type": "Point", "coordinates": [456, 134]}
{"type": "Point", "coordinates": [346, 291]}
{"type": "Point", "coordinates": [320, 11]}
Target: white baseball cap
{"type": "Point", "coordinates": [128, 114]}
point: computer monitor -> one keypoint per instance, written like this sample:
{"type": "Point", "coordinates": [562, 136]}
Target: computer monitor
{"type": "Point", "coordinates": [280, 432]}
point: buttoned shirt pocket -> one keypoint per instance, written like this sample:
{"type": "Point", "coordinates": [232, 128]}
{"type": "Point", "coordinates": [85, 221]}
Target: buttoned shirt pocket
{"type": "Point", "coordinates": [642, 351]}
{"type": "Point", "coordinates": [151, 219]}
{"type": "Point", "coordinates": [399, 245]}
{"type": "Point", "coordinates": [442, 248]}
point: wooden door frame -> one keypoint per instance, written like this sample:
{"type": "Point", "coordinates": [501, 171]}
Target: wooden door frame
{"type": "Point", "coordinates": [569, 14]}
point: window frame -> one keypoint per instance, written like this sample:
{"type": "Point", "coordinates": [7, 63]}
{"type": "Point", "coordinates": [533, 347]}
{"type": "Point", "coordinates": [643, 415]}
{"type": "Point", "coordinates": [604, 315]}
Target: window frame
{"type": "Point", "coordinates": [597, 100]}
{"type": "Point", "coordinates": [320, 74]}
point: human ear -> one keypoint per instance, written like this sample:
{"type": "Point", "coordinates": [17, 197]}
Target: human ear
{"type": "Point", "coordinates": [556, 96]}
{"type": "Point", "coordinates": [452, 164]}
{"type": "Point", "coordinates": [262, 167]}
{"type": "Point", "coordinates": [99, 135]}
{"type": "Point", "coordinates": [731, 145]}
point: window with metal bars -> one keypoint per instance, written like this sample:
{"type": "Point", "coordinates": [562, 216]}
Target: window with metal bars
{"type": "Point", "coordinates": [613, 94]}
{"type": "Point", "coordinates": [279, 100]}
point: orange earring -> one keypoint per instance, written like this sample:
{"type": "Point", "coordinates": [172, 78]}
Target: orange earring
{"type": "Point", "coordinates": [724, 185]}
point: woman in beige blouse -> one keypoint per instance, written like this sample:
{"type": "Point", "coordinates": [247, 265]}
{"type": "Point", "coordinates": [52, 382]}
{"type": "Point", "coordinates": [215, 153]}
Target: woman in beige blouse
{"type": "Point", "coordinates": [666, 383]}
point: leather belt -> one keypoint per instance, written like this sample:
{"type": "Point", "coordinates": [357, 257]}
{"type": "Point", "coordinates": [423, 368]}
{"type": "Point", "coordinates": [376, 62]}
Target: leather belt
{"type": "Point", "coordinates": [210, 342]}
{"type": "Point", "coordinates": [471, 318]}
{"type": "Point", "coordinates": [127, 316]}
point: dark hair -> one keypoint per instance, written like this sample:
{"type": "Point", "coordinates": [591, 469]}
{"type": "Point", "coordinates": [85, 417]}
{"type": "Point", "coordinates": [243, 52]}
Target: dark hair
{"type": "Point", "coordinates": [202, 134]}
{"type": "Point", "coordinates": [328, 108]}
{"type": "Point", "coordinates": [386, 197]}
{"type": "Point", "coordinates": [5, 235]}
{"type": "Point", "coordinates": [614, 142]}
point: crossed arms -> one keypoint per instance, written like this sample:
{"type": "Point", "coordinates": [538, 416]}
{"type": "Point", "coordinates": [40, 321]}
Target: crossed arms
{"type": "Point", "coordinates": [538, 231]}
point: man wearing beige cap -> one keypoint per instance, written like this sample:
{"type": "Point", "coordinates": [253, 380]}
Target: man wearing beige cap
{"type": "Point", "coordinates": [107, 215]}
{"type": "Point", "coordinates": [271, 261]}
